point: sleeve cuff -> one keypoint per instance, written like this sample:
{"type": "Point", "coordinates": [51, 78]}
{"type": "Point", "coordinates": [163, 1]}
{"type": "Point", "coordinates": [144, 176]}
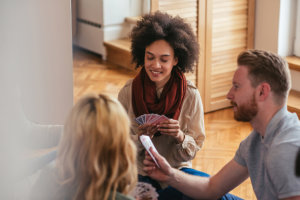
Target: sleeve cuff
{"type": "Point", "coordinates": [186, 142]}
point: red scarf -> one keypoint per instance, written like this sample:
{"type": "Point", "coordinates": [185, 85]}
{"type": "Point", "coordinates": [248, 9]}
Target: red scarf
{"type": "Point", "coordinates": [145, 100]}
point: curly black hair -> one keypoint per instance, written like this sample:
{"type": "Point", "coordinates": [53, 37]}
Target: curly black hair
{"type": "Point", "coordinates": [174, 30]}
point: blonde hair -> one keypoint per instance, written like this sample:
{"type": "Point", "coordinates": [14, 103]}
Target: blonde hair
{"type": "Point", "coordinates": [96, 156]}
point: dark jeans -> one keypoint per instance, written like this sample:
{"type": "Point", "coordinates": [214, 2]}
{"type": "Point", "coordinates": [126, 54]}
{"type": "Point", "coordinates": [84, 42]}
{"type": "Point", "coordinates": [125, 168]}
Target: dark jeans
{"type": "Point", "coordinates": [171, 193]}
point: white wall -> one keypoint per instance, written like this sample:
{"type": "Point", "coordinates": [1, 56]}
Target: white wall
{"type": "Point", "coordinates": [266, 25]}
{"type": "Point", "coordinates": [45, 59]}
{"type": "Point", "coordinates": [297, 39]}
{"type": "Point", "coordinates": [287, 21]}
{"type": "Point", "coordinates": [35, 81]}
{"type": "Point", "coordinates": [274, 29]}
{"type": "Point", "coordinates": [114, 14]}
{"type": "Point", "coordinates": [39, 48]}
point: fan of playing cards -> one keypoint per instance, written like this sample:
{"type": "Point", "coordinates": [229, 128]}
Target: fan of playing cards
{"type": "Point", "coordinates": [150, 119]}
{"type": "Point", "coordinates": [144, 191]}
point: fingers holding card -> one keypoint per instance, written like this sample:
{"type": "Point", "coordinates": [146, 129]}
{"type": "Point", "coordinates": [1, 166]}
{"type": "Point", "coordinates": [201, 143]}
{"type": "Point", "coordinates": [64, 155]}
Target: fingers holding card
{"type": "Point", "coordinates": [147, 143]}
{"type": "Point", "coordinates": [148, 123]}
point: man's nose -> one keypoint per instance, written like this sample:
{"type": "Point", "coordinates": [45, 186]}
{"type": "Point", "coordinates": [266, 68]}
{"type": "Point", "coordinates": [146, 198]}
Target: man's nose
{"type": "Point", "coordinates": [229, 94]}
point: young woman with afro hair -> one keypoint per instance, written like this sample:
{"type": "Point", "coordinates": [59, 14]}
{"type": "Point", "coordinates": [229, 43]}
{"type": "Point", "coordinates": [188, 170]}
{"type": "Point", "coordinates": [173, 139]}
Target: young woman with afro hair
{"type": "Point", "coordinates": [165, 47]}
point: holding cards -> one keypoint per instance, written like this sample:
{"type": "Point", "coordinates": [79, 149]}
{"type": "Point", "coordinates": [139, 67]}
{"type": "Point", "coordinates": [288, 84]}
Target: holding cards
{"type": "Point", "coordinates": [150, 119]}
{"type": "Point", "coordinates": [147, 143]}
{"type": "Point", "coordinates": [149, 123]}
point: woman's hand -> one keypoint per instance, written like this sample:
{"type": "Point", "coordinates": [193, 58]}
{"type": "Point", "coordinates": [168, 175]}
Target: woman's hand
{"type": "Point", "coordinates": [171, 127]}
{"type": "Point", "coordinates": [147, 129]}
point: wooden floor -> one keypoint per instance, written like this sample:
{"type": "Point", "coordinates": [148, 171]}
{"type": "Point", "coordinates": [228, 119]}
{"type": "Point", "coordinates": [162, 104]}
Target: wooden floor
{"type": "Point", "coordinates": [223, 133]}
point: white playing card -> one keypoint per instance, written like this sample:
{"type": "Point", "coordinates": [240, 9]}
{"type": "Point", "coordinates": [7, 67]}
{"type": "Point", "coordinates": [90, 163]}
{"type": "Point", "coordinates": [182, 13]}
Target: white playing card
{"type": "Point", "coordinates": [147, 142]}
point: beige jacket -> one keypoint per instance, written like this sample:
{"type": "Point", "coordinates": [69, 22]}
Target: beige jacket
{"type": "Point", "coordinates": [191, 121]}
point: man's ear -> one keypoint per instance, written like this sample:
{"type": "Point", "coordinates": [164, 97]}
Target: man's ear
{"type": "Point", "coordinates": [263, 91]}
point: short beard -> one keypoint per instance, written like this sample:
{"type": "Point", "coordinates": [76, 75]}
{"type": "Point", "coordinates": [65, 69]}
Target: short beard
{"type": "Point", "coordinates": [246, 112]}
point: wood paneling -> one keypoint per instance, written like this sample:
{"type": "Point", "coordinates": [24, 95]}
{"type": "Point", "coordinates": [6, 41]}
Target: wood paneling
{"type": "Point", "coordinates": [188, 10]}
{"type": "Point", "coordinates": [226, 35]}
{"type": "Point", "coordinates": [153, 5]}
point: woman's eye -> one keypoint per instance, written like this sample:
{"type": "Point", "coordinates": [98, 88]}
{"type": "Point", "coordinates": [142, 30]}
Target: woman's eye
{"type": "Point", "coordinates": [163, 60]}
{"type": "Point", "coordinates": [150, 58]}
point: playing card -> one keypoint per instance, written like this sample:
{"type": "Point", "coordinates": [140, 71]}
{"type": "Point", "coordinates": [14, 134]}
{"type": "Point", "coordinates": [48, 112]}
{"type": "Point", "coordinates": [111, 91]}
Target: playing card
{"type": "Point", "coordinates": [139, 120]}
{"type": "Point", "coordinates": [144, 191]}
{"type": "Point", "coordinates": [147, 142]}
{"type": "Point", "coordinates": [148, 116]}
{"type": "Point", "coordinates": [161, 118]}
{"type": "Point", "coordinates": [154, 118]}
{"type": "Point", "coordinates": [144, 118]}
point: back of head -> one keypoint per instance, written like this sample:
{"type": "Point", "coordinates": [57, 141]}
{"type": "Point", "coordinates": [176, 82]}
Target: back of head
{"type": "Point", "coordinates": [264, 66]}
{"type": "Point", "coordinates": [162, 26]}
{"type": "Point", "coordinates": [96, 155]}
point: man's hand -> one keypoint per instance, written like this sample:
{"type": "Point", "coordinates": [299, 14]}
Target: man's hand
{"type": "Point", "coordinates": [171, 127]}
{"type": "Point", "coordinates": [164, 173]}
{"type": "Point", "coordinates": [147, 129]}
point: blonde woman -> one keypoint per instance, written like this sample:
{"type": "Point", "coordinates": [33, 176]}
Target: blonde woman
{"type": "Point", "coordinates": [96, 157]}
